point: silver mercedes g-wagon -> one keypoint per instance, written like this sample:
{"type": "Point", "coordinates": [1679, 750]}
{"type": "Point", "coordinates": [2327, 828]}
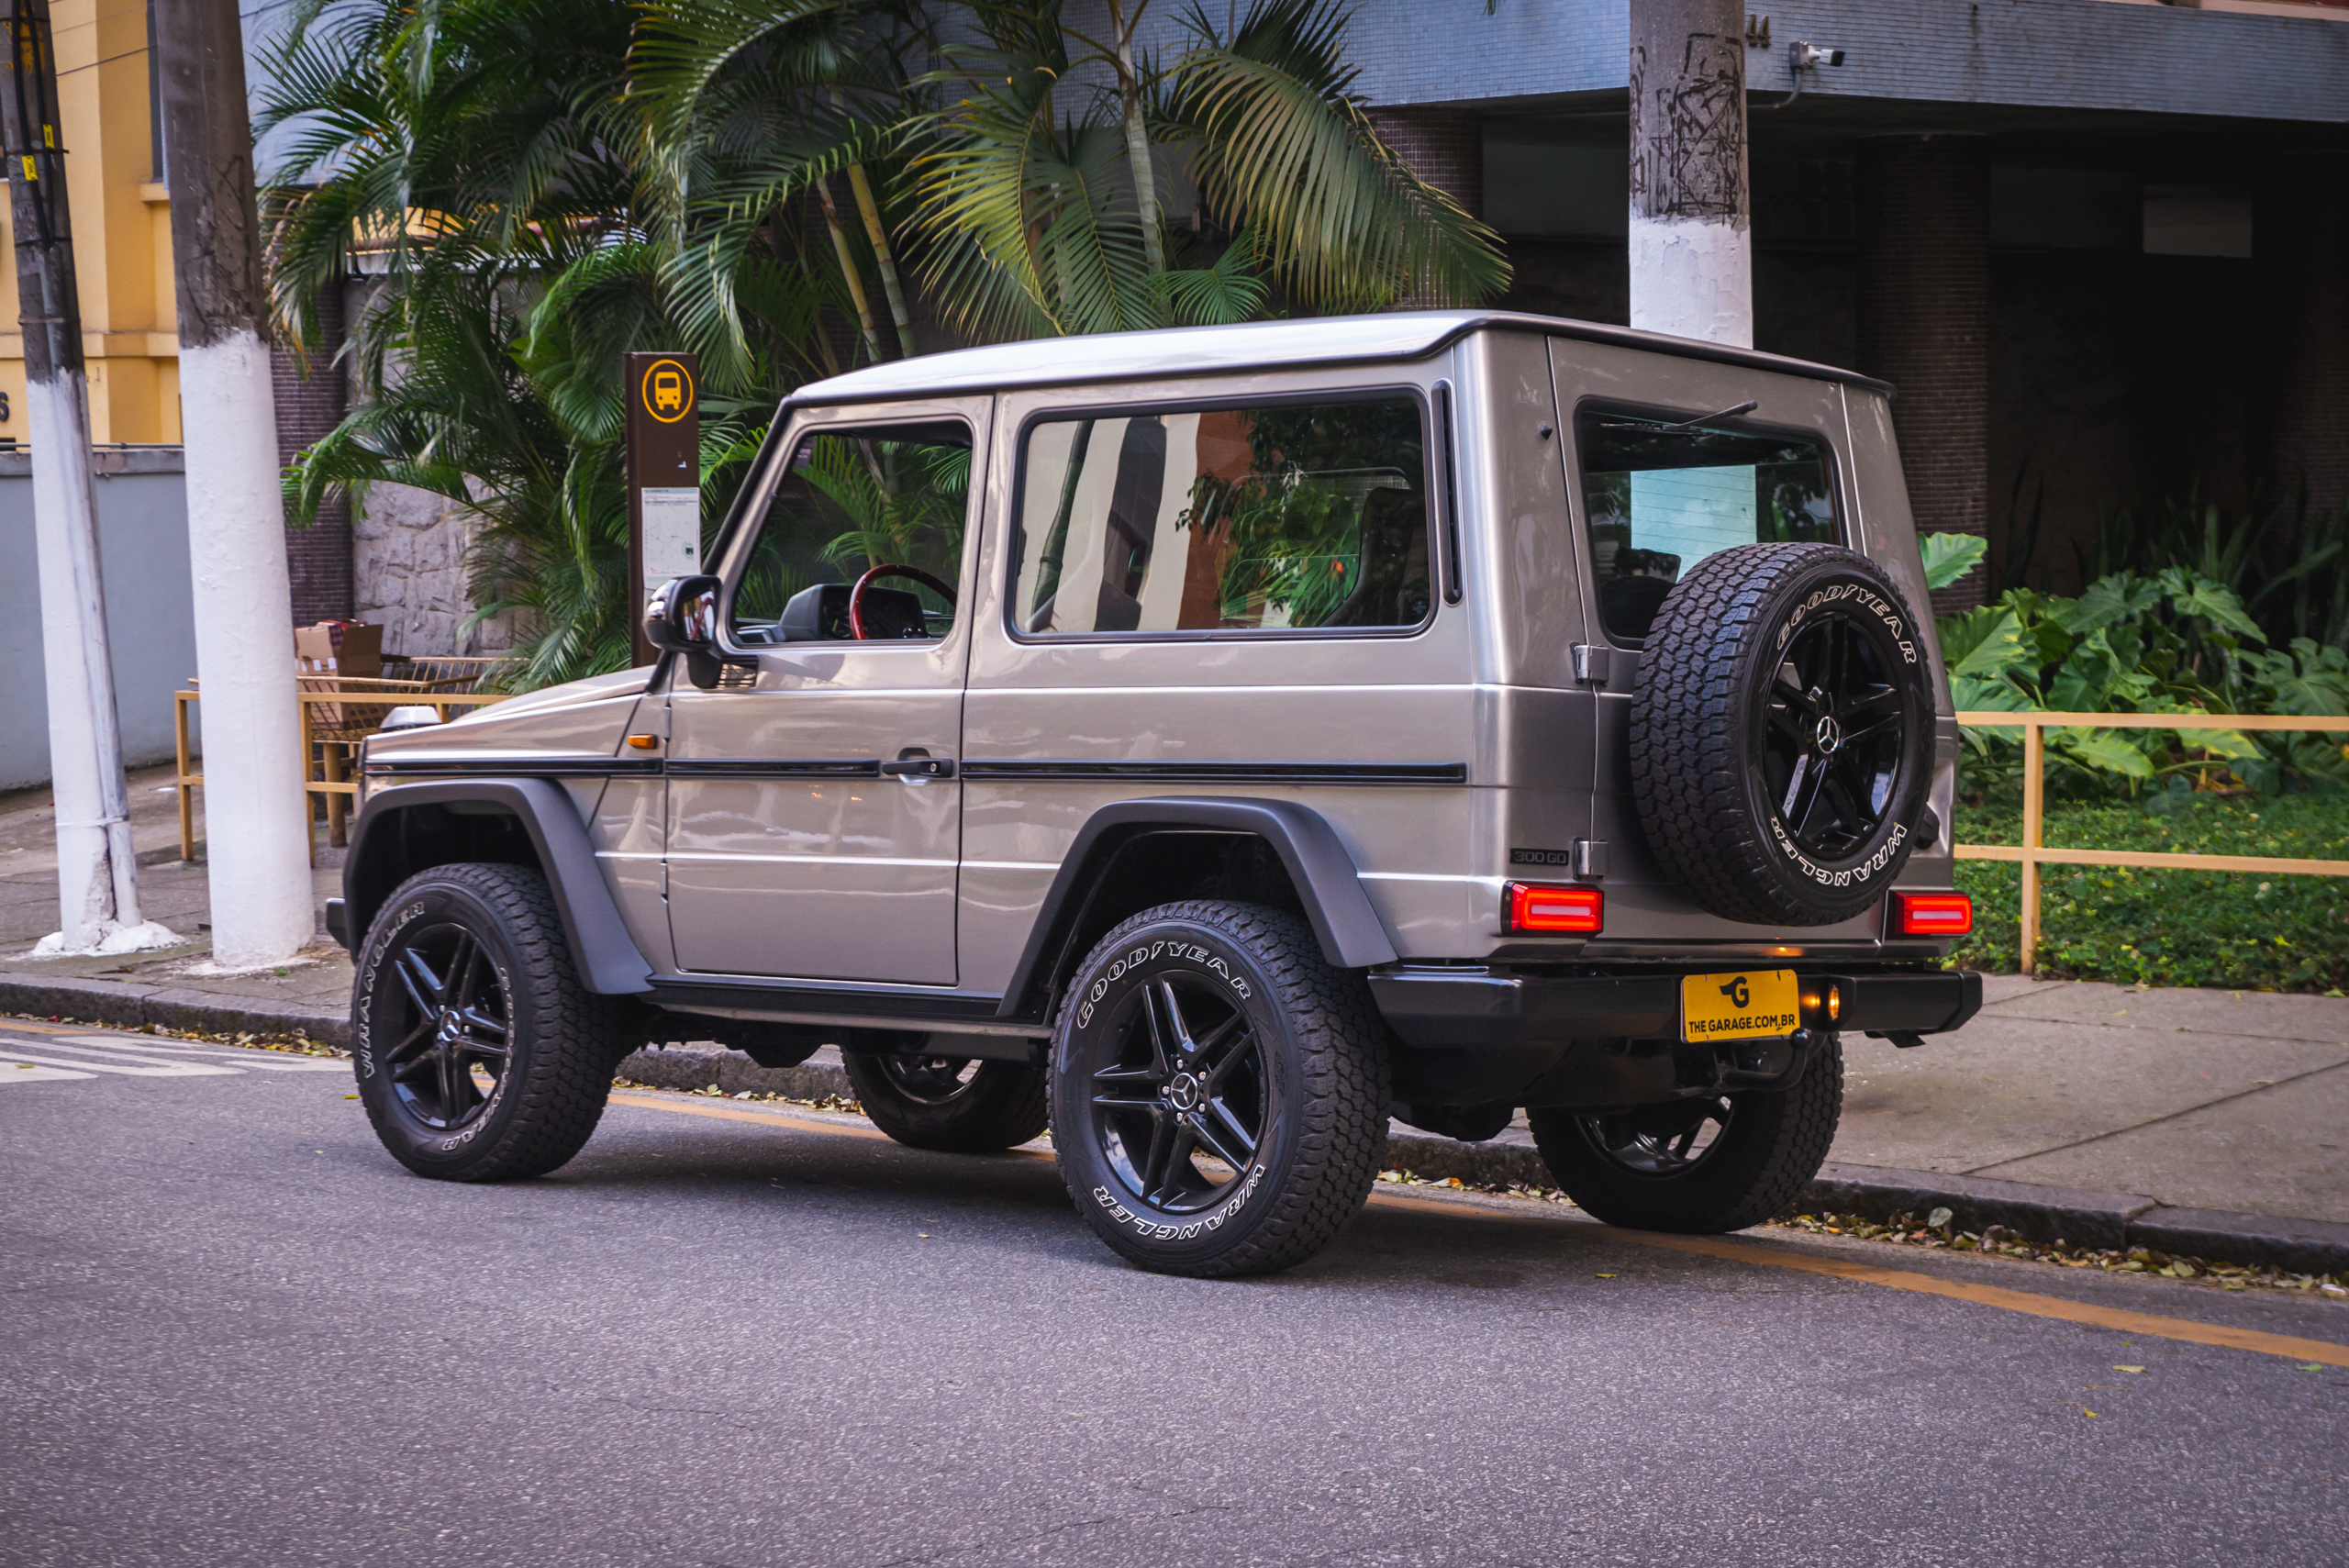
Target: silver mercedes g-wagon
{"type": "Point", "coordinates": [1210, 745]}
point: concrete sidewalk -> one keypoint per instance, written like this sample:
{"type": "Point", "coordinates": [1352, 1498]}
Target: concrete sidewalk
{"type": "Point", "coordinates": [2093, 1103]}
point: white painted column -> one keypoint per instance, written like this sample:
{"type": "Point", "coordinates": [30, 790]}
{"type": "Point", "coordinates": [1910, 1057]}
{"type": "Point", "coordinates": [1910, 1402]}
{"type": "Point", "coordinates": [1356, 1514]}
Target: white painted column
{"type": "Point", "coordinates": [256, 830]}
{"type": "Point", "coordinates": [1691, 241]}
{"type": "Point", "coordinates": [98, 871]}
{"type": "Point", "coordinates": [257, 815]}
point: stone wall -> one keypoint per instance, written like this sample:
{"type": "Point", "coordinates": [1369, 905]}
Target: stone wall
{"type": "Point", "coordinates": [408, 551]}
{"type": "Point", "coordinates": [407, 558]}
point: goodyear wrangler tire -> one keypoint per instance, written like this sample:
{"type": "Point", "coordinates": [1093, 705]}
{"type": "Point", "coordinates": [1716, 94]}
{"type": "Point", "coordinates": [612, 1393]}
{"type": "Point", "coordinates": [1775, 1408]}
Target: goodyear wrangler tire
{"type": "Point", "coordinates": [1218, 1091]}
{"type": "Point", "coordinates": [480, 1056]}
{"type": "Point", "coordinates": [1698, 1166]}
{"type": "Point", "coordinates": [1782, 733]}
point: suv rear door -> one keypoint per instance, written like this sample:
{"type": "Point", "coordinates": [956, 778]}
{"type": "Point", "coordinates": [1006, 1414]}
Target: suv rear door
{"type": "Point", "coordinates": [1662, 468]}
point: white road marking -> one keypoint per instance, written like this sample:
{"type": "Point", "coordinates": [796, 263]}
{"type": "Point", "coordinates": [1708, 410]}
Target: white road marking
{"type": "Point", "coordinates": [149, 1069]}
{"type": "Point", "coordinates": [25, 1072]}
{"type": "Point", "coordinates": [143, 1047]}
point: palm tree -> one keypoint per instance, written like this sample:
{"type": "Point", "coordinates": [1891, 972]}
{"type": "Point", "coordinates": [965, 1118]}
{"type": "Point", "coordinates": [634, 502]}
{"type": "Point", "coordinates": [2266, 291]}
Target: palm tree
{"type": "Point", "coordinates": [1042, 214]}
{"type": "Point", "coordinates": [544, 184]}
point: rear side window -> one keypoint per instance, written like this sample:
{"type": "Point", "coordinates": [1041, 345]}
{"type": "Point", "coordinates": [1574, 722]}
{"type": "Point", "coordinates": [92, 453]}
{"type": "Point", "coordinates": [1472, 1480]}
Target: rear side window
{"type": "Point", "coordinates": [1283, 517]}
{"type": "Point", "coordinates": [1661, 497]}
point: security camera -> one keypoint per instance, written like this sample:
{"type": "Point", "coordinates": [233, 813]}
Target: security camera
{"type": "Point", "coordinates": [1807, 56]}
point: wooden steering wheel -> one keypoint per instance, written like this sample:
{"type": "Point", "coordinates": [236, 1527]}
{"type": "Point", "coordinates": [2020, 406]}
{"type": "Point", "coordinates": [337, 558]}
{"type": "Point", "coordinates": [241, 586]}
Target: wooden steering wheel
{"type": "Point", "coordinates": [856, 594]}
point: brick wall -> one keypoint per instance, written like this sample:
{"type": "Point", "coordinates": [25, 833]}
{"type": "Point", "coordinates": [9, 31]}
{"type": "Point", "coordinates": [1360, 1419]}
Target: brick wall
{"type": "Point", "coordinates": [1445, 147]}
{"type": "Point", "coordinates": [1923, 206]}
{"type": "Point", "coordinates": [308, 406]}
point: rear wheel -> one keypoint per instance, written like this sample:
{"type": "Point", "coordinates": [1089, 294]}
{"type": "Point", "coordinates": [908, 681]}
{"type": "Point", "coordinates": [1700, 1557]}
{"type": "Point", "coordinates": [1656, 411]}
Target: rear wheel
{"type": "Point", "coordinates": [1218, 1091]}
{"type": "Point", "coordinates": [1702, 1165]}
{"type": "Point", "coordinates": [955, 1104]}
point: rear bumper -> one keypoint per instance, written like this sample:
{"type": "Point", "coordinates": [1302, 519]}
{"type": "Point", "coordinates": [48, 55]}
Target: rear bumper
{"type": "Point", "coordinates": [1451, 1009]}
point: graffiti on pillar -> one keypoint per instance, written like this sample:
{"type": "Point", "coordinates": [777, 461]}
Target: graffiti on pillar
{"type": "Point", "coordinates": [1688, 132]}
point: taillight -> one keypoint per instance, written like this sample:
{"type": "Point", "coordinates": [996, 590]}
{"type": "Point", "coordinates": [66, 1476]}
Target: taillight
{"type": "Point", "coordinates": [1579, 910]}
{"type": "Point", "coordinates": [1933, 914]}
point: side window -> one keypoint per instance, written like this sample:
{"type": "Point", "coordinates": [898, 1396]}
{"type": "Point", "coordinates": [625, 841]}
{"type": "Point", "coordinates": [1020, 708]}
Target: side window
{"type": "Point", "coordinates": [853, 499]}
{"type": "Point", "coordinates": [1286, 516]}
{"type": "Point", "coordinates": [1662, 496]}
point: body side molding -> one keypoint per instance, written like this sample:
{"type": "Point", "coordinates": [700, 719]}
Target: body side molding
{"type": "Point", "coordinates": [1348, 929]}
{"type": "Point", "coordinates": [608, 960]}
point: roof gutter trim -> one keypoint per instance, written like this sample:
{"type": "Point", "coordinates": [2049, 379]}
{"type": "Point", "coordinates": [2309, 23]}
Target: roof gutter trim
{"type": "Point", "coordinates": [1550, 326]}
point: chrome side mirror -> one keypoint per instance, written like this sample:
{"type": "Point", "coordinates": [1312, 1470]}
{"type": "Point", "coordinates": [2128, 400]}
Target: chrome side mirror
{"type": "Point", "coordinates": [681, 615]}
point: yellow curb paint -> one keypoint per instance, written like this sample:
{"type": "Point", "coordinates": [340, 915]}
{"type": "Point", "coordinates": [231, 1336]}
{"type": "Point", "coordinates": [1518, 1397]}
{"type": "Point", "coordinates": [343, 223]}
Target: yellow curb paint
{"type": "Point", "coordinates": [2145, 1323]}
{"type": "Point", "coordinates": [2150, 1325]}
{"type": "Point", "coordinates": [765, 1118]}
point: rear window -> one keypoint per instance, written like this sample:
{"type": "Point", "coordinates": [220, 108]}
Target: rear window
{"type": "Point", "coordinates": [1662, 496]}
{"type": "Point", "coordinates": [1282, 517]}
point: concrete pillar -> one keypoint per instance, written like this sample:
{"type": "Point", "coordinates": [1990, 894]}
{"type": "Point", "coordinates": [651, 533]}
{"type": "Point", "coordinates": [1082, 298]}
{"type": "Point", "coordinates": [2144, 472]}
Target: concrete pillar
{"type": "Point", "coordinates": [257, 816]}
{"type": "Point", "coordinates": [1445, 147]}
{"type": "Point", "coordinates": [1924, 206]}
{"type": "Point", "coordinates": [2300, 248]}
{"type": "Point", "coordinates": [318, 558]}
{"type": "Point", "coordinates": [1691, 242]}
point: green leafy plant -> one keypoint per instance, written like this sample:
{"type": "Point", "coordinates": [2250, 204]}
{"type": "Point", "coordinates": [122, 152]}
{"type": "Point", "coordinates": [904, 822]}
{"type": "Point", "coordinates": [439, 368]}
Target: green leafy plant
{"type": "Point", "coordinates": [2171, 642]}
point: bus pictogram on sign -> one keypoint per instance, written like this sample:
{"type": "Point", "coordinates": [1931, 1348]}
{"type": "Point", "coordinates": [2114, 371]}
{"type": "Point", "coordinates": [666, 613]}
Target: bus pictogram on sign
{"type": "Point", "coordinates": [667, 391]}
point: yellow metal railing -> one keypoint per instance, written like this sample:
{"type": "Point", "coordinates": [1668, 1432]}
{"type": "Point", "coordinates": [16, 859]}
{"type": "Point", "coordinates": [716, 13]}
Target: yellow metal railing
{"type": "Point", "coordinates": [2033, 854]}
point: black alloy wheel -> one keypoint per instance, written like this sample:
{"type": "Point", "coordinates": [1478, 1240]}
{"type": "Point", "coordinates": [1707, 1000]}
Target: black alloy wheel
{"type": "Point", "coordinates": [930, 1079]}
{"type": "Point", "coordinates": [1836, 732]}
{"type": "Point", "coordinates": [1219, 1090]}
{"type": "Point", "coordinates": [453, 1016]}
{"type": "Point", "coordinates": [958, 1104]}
{"type": "Point", "coordinates": [1782, 734]}
{"type": "Point", "coordinates": [1705, 1165]}
{"type": "Point", "coordinates": [1661, 1140]}
{"type": "Point", "coordinates": [479, 1053]}
{"type": "Point", "coordinates": [1187, 1084]}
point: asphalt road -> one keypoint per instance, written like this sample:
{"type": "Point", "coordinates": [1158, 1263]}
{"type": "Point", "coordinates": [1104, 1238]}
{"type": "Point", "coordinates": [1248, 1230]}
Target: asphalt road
{"type": "Point", "coordinates": [235, 1332]}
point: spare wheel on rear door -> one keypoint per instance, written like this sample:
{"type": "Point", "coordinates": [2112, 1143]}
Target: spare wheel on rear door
{"type": "Point", "coordinates": [1782, 729]}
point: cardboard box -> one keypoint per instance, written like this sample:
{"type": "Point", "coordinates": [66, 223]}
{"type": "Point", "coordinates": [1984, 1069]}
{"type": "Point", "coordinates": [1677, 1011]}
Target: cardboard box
{"type": "Point", "coordinates": [339, 647]}
{"type": "Point", "coordinates": [331, 651]}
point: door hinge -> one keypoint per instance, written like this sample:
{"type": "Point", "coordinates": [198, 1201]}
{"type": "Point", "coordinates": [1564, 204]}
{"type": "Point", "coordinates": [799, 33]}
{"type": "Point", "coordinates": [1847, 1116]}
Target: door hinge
{"type": "Point", "coordinates": [1590, 859]}
{"type": "Point", "coordinates": [1591, 664]}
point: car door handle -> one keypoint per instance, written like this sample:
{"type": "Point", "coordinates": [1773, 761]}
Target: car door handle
{"type": "Point", "coordinates": [920, 767]}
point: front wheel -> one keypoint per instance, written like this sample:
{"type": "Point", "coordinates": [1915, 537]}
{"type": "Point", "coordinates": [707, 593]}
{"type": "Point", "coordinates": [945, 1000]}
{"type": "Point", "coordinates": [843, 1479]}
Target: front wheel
{"type": "Point", "coordinates": [954, 1104]}
{"type": "Point", "coordinates": [1697, 1166]}
{"type": "Point", "coordinates": [1218, 1091]}
{"type": "Point", "coordinates": [480, 1055]}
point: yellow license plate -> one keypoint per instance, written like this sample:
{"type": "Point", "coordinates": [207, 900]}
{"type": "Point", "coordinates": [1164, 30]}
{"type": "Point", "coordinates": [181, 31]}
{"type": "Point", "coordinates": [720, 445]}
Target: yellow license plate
{"type": "Point", "coordinates": [1753, 1004]}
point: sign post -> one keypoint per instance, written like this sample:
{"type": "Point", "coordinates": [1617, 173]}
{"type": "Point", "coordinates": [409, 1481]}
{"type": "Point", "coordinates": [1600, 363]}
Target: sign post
{"type": "Point", "coordinates": [663, 479]}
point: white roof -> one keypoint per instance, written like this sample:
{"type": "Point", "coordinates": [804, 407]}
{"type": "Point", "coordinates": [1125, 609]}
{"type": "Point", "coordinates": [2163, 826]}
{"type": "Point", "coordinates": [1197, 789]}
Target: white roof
{"type": "Point", "coordinates": [1258, 345]}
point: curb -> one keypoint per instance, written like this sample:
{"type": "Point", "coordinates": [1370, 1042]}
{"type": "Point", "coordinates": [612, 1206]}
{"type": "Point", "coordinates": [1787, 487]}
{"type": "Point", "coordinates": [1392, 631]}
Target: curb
{"type": "Point", "coordinates": [123, 1005]}
{"type": "Point", "coordinates": [732, 1072]}
{"type": "Point", "coordinates": [2115, 1220]}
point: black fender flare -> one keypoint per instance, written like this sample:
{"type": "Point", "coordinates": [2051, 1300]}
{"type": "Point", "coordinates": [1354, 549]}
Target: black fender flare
{"type": "Point", "coordinates": [608, 960]}
{"type": "Point", "coordinates": [1327, 882]}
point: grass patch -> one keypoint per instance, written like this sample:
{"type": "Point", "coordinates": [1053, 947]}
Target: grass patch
{"type": "Point", "coordinates": [2233, 930]}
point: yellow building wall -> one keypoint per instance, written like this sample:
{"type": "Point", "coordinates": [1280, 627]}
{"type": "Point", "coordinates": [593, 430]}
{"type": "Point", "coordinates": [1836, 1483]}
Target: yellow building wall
{"type": "Point", "coordinates": [122, 231]}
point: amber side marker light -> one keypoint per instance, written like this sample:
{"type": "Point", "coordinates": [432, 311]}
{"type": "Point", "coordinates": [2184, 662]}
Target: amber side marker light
{"type": "Point", "coordinates": [1577, 910]}
{"type": "Point", "coordinates": [1933, 914]}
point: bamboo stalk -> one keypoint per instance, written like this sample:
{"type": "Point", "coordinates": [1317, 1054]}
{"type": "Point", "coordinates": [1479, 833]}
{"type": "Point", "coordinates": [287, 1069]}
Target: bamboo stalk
{"type": "Point", "coordinates": [849, 271]}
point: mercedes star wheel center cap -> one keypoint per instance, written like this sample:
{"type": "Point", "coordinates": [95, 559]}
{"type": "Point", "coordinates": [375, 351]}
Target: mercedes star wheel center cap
{"type": "Point", "coordinates": [1827, 735]}
{"type": "Point", "coordinates": [1183, 1094]}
